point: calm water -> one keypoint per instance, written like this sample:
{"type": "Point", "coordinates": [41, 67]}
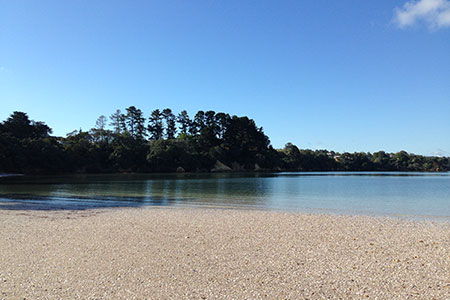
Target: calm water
{"type": "Point", "coordinates": [399, 194]}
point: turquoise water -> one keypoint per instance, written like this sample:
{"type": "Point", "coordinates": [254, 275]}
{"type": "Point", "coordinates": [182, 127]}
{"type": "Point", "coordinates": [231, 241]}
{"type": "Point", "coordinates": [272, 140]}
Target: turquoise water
{"type": "Point", "coordinates": [398, 194]}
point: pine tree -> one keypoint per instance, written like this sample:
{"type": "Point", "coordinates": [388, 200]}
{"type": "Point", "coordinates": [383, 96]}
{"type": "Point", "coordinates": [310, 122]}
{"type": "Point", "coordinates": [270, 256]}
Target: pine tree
{"type": "Point", "coordinates": [117, 121]}
{"type": "Point", "coordinates": [155, 125]}
{"type": "Point", "coordinates": [169, 118]}
{"type": "Point", "coordinates": [184, 121]}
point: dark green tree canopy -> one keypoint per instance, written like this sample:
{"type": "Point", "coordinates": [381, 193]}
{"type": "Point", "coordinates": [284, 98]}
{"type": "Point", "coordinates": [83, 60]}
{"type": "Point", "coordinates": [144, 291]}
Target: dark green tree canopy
{"type": "Point", "coordinates": [170, 122]}
{"type": "Point", "coordinates": [155, 125]}
{"type": "Point", "coordinates": [27, 146]}
{"type": "Point", "coordinates": [20, 126]}
{"type": "Point", "coordinates": [117, 121]}
{"type": "Point", "coordinates": [135, 123]}
{"type": "Point", "coordinates": [184, 121]}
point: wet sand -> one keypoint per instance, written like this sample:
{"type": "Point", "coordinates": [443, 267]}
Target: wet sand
{"type": "Point", "coordinates": [184, 253]}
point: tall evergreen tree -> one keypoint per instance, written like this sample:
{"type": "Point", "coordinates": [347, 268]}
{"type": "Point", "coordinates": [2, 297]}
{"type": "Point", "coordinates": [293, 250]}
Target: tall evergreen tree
{"type": "Point", "coordinates": [155, 125]}
{"type": "Point", "coordinates": [135, 122]}
{"type": "Point", "coordinates": [20, 126]}
{"type": "Point", "coordinates": [184, 121]}
{"type": "Point", "coordinates": [100, 124]}
{"type": "Point", "coordinates": [99, 133]}
{"type": "Point", "coordinates": [169, 118]}
{"type": "Point", "coordinates": [27, 147]}
{"type": "Point", "coordinates": [222, 121]}
{"type": "Point", "coordinates": [117, 121]}
{"type": "Point", "coordinates": [199, 122]}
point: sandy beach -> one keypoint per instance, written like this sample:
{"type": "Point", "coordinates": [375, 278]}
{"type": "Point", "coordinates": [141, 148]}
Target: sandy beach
{"type": "Point", "coordinates": [186, 253]}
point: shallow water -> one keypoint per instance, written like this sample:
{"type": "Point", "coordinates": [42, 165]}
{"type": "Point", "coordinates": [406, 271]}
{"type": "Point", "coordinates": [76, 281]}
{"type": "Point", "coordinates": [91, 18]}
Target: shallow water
{"type": "Point", "coordinates": [368, 193]}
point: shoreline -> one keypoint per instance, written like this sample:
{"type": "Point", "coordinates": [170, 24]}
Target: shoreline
{"type": "Point", "coordinates": [8, 204]}
{"type": "Point", "coordinates": [233, 172]}
{"type": "Point", "coordinates": [201, 253]}
{"type": "Point", "coordinates": [26, 205]}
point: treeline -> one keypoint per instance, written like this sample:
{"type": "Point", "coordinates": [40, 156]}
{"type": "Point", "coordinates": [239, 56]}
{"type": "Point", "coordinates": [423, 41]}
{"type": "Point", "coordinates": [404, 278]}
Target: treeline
{"type": "Point", "coordinates": [164, 142]}
{"type": "Point", "coordinates": [295, 159]}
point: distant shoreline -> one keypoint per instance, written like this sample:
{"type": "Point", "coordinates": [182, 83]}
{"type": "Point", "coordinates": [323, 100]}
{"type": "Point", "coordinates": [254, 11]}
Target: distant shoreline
{"type": "Point", "coordinates": [216, 172]}
{"type": "Point", "coordinates": [209, 142]}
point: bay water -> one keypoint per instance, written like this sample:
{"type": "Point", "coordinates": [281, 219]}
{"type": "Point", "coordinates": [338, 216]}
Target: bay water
{"type": "Point", "coordinates": [368, 193]}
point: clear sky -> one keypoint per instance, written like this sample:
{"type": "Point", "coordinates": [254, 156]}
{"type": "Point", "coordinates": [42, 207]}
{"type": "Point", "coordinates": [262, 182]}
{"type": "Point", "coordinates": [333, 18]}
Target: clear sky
{"type": "Point", "coordinates": [341, 75]}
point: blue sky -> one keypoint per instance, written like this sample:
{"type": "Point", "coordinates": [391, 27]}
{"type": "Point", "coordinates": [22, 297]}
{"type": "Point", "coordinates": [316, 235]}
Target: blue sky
{"type": "Point", "coordinates": [341, 75]}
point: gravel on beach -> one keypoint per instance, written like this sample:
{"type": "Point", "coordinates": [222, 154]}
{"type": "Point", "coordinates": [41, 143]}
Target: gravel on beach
{"type": "Point", "coordinates": [202, 253]}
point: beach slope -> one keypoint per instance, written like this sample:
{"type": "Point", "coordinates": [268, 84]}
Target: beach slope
{"type": "Point", "coordinates": [184, 253]}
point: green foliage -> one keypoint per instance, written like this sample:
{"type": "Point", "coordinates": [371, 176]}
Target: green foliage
{"type": "Point", "coordinates": [155, 125]}
{"type": "Point", "coordinates": [27, 147]}
{"type": "Point", "coordinates": [184, 121]}
{"type": "Point", "coordinates": [243, 141]}
{"type": "Point", "coordinates": [19, 126]}
{"type": "Point", "coordinates": [294, 159]}
{"type": "Point", "coordinates": [168, 155]}
{"type": "Point", "coordinates": [128, 154]}
{"type": "Point", "coordinates": [135, 123]}
{"type": "Point", "coordinates": [171, 127]}
{"type": "Point", "coordinates": [117, 121]}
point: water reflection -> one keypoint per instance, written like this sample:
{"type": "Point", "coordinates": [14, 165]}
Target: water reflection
{"type": "Point", "coordinates": [356, 192]}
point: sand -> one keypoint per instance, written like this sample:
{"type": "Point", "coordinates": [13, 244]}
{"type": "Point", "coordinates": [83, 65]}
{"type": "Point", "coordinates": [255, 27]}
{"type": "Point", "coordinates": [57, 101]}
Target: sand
{"type": "Point", "coordinates": [186, 253]}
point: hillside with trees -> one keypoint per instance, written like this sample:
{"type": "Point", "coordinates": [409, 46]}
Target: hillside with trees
{"type": "Point", "coordinates": [167, 142]}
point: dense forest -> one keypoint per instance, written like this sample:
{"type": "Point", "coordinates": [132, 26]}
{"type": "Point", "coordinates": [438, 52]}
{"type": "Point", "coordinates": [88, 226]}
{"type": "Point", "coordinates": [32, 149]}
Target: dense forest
{"type": "Point", "coordinates": [165, 142]}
